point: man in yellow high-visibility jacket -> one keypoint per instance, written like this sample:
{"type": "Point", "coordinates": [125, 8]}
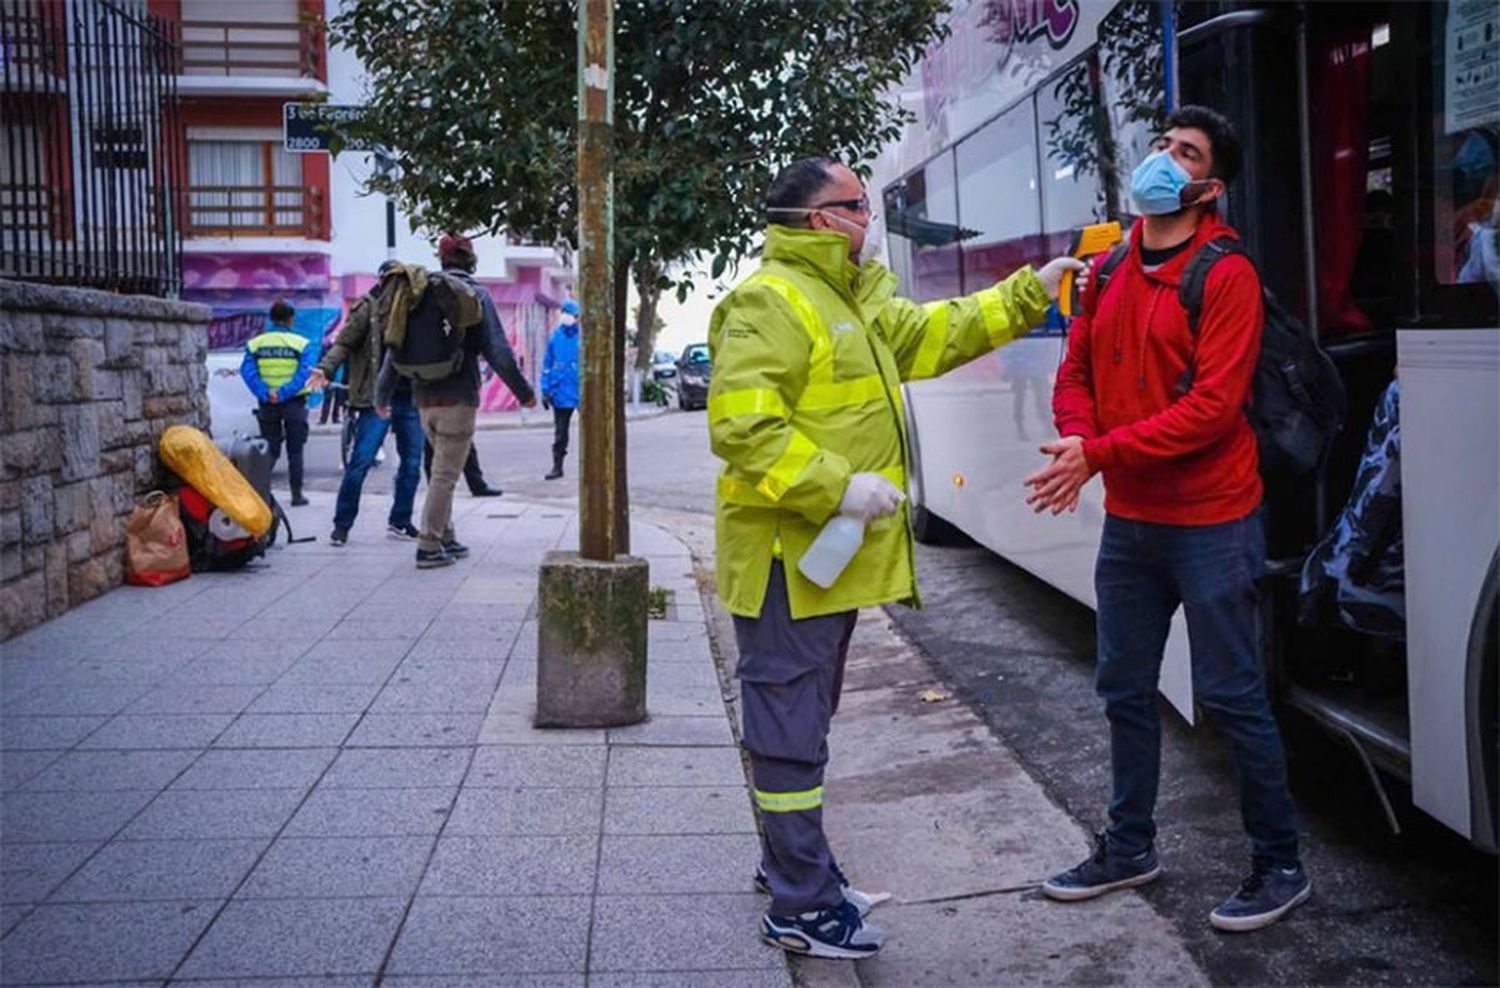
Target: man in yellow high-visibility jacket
{"type": "Point", "coordinates": [276, 369]}
{"type": "Point", "coordinates": [805, 409]}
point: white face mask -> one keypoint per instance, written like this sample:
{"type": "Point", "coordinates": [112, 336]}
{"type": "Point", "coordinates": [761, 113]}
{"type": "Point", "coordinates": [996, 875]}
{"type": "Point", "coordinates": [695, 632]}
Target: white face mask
{"type": "Point", "coordinates": [874, 247]}
{"type": "Point", "coordinates": [568, 319]}
{"type": "Point", "coordinates": [870, 250]}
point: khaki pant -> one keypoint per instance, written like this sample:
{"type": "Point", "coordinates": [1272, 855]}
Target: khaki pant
{"type": "Point", "coordinates": [450, 430]}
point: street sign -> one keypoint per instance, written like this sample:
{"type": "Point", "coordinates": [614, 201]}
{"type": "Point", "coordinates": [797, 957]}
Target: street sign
{"type": "Point", "coordinates": [310, 127]}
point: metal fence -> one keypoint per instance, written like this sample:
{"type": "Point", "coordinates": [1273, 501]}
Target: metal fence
{"type": "Point", "coordinates": [92, 148]}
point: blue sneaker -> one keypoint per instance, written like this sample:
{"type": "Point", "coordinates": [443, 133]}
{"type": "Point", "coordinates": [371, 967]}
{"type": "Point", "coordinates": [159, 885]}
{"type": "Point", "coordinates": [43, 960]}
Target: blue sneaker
{"type": "Point", "coordinates": [863, 901]}
{"type": "Point", "coordinates": [836, 933]}
{"type": "Point", "coordinates": [1104, 871]}
{"type": "Point", "coordinates": [1262, 899]}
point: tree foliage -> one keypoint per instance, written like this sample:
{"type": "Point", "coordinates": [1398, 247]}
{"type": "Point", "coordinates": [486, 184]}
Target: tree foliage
{"type": "Point", "coordinates": [477, 98]}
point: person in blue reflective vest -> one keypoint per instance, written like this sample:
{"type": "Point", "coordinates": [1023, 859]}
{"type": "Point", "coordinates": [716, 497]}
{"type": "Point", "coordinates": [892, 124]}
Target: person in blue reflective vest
{"type": "Point", "coordinates": [560, 382]}
{"type": "Point", "coordinates": [276, 369]}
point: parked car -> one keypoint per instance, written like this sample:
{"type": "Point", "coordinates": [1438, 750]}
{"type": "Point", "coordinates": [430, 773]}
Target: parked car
{"type": "Point", "coordinates": [663, 366]}
{"type": "Point", "coordinates": [693, 372]}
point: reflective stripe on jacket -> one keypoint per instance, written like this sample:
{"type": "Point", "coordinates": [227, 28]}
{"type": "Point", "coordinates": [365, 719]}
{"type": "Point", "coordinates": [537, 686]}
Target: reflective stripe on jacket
{"type": "Point", "coordinates": [809, 355]}
{"type": "Point", "coordinates": [277, 355]}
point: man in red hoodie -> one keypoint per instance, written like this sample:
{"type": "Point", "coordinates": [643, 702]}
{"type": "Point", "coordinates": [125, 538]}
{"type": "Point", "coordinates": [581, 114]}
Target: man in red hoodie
{"type": "Point", "coordinates": [1159, 409]}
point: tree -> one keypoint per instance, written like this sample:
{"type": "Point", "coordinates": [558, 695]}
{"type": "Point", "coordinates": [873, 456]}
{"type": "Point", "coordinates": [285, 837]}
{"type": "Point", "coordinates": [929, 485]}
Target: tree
{"type": "Point", "coordinates": [478, 99]}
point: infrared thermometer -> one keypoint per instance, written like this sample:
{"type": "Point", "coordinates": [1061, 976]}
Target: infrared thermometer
{"type": "Point", "coordinates": [1087, 242]}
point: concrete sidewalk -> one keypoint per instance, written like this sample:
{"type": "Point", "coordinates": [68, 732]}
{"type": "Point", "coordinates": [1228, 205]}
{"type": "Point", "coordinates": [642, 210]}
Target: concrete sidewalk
{"type": "Point", "coordinates": [322, 770]}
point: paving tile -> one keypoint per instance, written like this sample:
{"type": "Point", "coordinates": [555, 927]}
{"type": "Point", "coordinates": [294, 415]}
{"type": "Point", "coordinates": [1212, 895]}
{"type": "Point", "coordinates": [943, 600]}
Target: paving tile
{"type": "Point", "coordinates": [206, 813]}
{"type": "Point", "coordinates": [256, 769]}
{"type": "Point", "coordinates": [351, 649]}
{"type": "Point", "coordinates": [677, 863]}
{"type": "Point", "coordinates": [461, 650]}
{"type": "Point", "coordinates": [233, 665]}
{"type": "Point", "coordinates": [696, 810]}
{"type": "Point", "coordinates": [480, 674]}
{"type": "Point", "coordinates": [528, 866]}
{"type": "Point", "coordinates": [29, 872]}
{"type": "Point", "coordinates": [766, 977]}
{"type": "Point", "coordinates": [311, 936]}
{"type": "Point", "coordinates": [287, 730]}
{"type": "Point", "coordinates": [675, 732]}
{"type": "Point", "coordinates": [196, 700]}
{"type": "Point", "coordinates": [159, 731]}
{"type": "Point", "coordinates": [311, 698]}
{"type": "Point", "coordinates": [71, 700]}
{"type": "Point", "coordinates": [416, 730]}
{"type": "Point", "coordinates": [371, 813]}
{"type": "Point", "coordinates": [543, 766]}
{"type": "Point", "coordinates": [716, 932]}
{"type": "Point", "coordinates": [493, 936]}
{"type": "Point", "coordinates": [684, 701]}
{"type": "Point", "coordinates": [339, 867]}
{"type": "Point", "coordinates": [29, 817]}
{"type": "Point", "coordinates": [101, 771]}
{"type": "Point", "coordinates": [367, 629]}
{"type": "Point", "coordinates": [11, 913]}
{"type": "Point", "coordinates": [488, 981]}
{"type": "Point", "coordinates": [306, 981]}
{"type": "Point", "coordinates": [535, 812]}
{"type": "Point", "coordinates": [18, 767]}
{"type": "Point", "coordinates": [102, 941]}
{"type": "Point", "coordinates": [643, 766]}
{"type": "Point", "coordinates": [24, 733]}
{"type": "Point", "coordinates": [396, 768]}
{"type": "Point", "coordinates": [140, 871]}
{"type": "Point", "coordinates": [434, 698]}
{"type": "Point", "coordinates": [355, 669]}
{"type": "Point", "coordinates": [497, 631]}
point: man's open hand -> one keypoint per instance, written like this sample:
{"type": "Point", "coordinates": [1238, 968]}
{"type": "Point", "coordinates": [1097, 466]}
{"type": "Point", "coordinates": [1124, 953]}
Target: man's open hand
{"type": "Point", "coordinates": [1058, 484]}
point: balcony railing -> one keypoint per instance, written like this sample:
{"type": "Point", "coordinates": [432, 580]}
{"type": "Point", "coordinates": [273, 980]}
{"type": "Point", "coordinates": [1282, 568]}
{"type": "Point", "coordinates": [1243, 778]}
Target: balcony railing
{"type": "Point", "coordinates": [251, 49]}
{"type": "Point", "coordinates": [254, 211]}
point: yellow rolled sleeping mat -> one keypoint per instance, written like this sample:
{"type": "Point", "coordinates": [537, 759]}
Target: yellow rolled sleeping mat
{"type": "Point", "coordinates": [192, 455]}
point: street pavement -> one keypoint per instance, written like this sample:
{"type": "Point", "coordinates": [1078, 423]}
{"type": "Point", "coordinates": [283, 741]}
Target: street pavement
{"type": "Point", "coordinates": [321, 770]}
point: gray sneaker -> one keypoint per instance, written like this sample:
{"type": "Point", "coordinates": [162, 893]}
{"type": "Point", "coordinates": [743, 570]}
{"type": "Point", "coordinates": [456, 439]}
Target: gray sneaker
{"type": "Point", "coordinates": [1263, 898]}
{"type": "Point", "coordinates": [1104, 871]}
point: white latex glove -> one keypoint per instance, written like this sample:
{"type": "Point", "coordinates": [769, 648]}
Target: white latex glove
{"type": "Point", "coordinates": [870, 496]}
{"type": "Point", "coordinates": [1052, 273]}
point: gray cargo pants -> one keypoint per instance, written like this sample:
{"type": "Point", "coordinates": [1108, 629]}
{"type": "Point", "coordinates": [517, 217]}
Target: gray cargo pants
{"type": "Point", "coordinates": [790, 674]}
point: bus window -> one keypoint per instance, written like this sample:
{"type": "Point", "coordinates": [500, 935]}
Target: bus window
{"type": "Point", "coordinates": [1466, 146]}
{"type": "Point", "coordinates": [1132, 73]}
{"type": "Point", "coordinates": [1074, 154]}
{"type": "Point", "coordinates": [998, 198]}
{"type": "Point", "coordinates": [1353, 65]}
{"type": "Point", "coordinates": [921, 217]}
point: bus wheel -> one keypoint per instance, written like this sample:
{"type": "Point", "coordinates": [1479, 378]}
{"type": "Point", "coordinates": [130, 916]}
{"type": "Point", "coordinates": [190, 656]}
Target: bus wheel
{"type": "Point", "coordinates": [929, 529]}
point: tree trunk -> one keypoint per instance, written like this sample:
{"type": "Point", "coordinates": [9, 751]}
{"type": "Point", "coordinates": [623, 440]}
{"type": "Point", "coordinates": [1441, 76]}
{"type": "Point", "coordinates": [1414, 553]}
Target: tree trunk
{"type": "Point", "coordinates": [647, 271]}
{"type": "Point", "coordinates": [623, 263]}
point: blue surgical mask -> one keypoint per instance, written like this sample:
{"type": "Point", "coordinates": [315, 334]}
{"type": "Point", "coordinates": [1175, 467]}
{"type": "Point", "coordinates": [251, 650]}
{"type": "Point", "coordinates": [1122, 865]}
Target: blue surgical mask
{"type": "Point", "coordinates": [1156, 184]}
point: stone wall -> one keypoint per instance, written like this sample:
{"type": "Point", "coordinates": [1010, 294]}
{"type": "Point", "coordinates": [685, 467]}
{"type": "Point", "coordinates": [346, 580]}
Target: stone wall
{"type": "Point", "coordinates": [88, 383]}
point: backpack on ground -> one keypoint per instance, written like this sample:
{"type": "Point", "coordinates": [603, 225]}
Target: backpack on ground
{"type": "Point", "coordinates": [215, 541]}
{"type": "Point", "coordinates": [1297, 399]}
{"type": "Point", "coordinates": [432, 348]}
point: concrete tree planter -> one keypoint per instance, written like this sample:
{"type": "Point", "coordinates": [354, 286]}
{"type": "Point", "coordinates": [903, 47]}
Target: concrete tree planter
{"type": "Point", "coordinates": [591, 649]}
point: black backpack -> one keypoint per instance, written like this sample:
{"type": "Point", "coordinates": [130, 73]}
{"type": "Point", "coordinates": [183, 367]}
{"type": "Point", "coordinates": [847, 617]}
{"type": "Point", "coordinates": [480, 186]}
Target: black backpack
{"type": "Point", "coordinates": [433, 348]}
{"type": "Point", "coordinates": [1297, 401]}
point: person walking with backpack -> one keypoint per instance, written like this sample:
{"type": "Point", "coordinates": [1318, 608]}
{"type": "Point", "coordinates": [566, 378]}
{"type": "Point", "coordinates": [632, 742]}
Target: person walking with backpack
{"type": "Point", "coordinates": [276, 368]}
{"type": "Point", "coordinates": [1155, 399]}
{"type": "Point", "coordinates": [560, 382]}
{"type": "Point", "coordinates": [438, 327]}
{"type": "Point", "coordinates": [358, 350]}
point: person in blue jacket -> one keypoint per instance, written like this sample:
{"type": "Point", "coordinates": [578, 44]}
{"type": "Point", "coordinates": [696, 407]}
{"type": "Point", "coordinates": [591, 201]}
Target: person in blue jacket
{"type": "Point", "coordinates": [560, 382]}
{"type": "Point", "coordinates": [276, 369]}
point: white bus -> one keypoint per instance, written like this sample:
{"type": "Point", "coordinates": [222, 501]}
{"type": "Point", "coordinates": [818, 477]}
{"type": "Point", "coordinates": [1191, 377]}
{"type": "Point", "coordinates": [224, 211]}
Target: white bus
{"type": "Point", "coordinates": [1372, 135]}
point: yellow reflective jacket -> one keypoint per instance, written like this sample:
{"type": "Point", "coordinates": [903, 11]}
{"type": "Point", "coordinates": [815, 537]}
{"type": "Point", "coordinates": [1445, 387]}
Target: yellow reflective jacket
{"type": "Point", "coordinates": [808, 359]}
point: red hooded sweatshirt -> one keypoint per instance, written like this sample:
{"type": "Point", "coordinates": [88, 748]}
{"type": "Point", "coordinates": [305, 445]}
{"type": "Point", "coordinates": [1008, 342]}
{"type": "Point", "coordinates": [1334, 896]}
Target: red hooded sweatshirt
{"type": "Point", "coordinates": [1169, 458]}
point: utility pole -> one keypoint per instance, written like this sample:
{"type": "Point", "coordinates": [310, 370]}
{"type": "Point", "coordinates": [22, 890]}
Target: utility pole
{"type": "Point", "coordinates": [591, 638]}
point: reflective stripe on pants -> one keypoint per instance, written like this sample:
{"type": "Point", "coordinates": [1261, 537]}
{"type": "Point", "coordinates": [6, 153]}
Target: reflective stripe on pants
{"type": "Point", "coordinates": [791, 673]}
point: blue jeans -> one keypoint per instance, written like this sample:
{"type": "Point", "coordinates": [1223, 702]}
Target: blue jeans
{"type": "Point", "coordinates": [1143, 573]}
{"type": "Point", "coordinates": [369, 432]}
